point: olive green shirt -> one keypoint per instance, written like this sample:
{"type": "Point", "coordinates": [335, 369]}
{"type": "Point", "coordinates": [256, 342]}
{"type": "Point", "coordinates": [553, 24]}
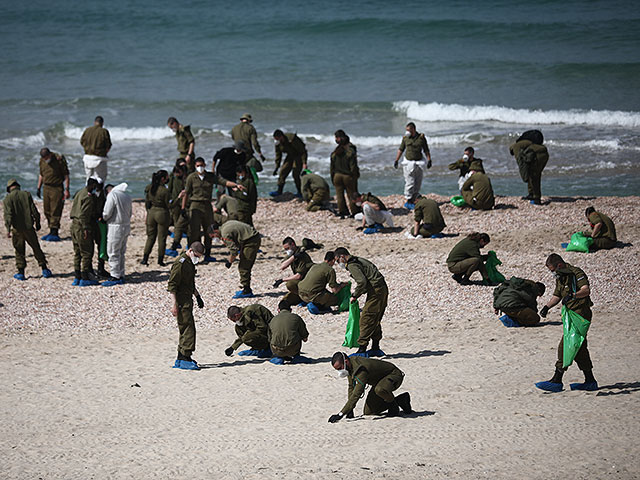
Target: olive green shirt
{"type": "Point", "coordinates": [318, 276]}
{"type": "Point", "coordinates": [572, 281]}
{"type": "Point", "coordinates": [176, 185]}
{"type": "Point", "coordinates": [301, 262]}
{"type": "Point", "coordinates": [235, 234]}
{"type": "Point", "coordinates": [84, 209]}
{"type": "Point", "coordinates": [19, 211]}
{"type": "Point", "coordinates": [466, 167]}
{"type": "Point", "coordinates": [414, 146]}
{"type": "Point", "coordinates": [608, 229]}
{"type": "Point", "coordinates": [369, 197]}
{"type": "Point", "coordinates": [344, 160]}
{"type": "Point", "coordinates": [366, 275]}
{"type": "Point", "coordinates": [184, 138]}
{"type": "Point", "coordinates": [312, 183]}
{"type": "Point", "coordinates": [516, 147]}
{"type": "Point", "coordinates": [478, 192]}
{"type": "Point", "coordinates": [245, 132]}
{"type": "Point", "coordinates": [294, 148]}
{"type": "Point", "coordinates": [428, 212]}
{"type": "Point", "coordinates": [255, 318]}
{"type": "Point", "coordinates": [363, 372]}
{"type": "Point", "coordinates": [229, 205]}
{"type": "Point", "coordinates": [54, 172]}
{"type": "Point", "coordinates": [465, 248]}
{"type": "Point", "coordinates": [96, 141]}
{"type": "Point", "coordinates": [287, 329]}
{"type": "Point", "coordinates": [182, 279]}
{"type": "Point", "coordinates": [201, 189]}
{"type": "Point", "coordinates": [247, 198]}
{"type": "Point", "coordinates": [516, 294]}
{"type": "Point", "coordinates": [160, 199]}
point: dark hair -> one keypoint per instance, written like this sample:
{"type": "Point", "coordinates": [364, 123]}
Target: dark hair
{"type": "Point", "coordinates": [44, 152]}
{"type": "Point", "coordinates": [284, 305]}
{"type": "Point", "coordinates": [589, 211]}
{"type": "Point", "coordinates": [288, 240]}
{"type": "Point", "coordinates": [344, 138]}
{"type": "Point", "coordinates": [172, 120]}
{"type": "Point", "coordinates": [278, 133]}
{"type": "Point", "coordinates": [180, 169]}
{"type": "Point", "coordinates": [180, 161]}
{"type": "Point", "coordinates": [199, 160]}
{"type": "Point", "coordinates": [341, 251]}
{"type": "Point", "coordinates": [99, 120]}
{"type": "Point", "coordinates": [470, 150]}
{"type": "Point", "coordinates": [241, 168]}
{"type": "Point", "coordinates": [411, 124]}
{"type": "Point", "coordinates": [477, 236]}
{"type": "Point", "coordinates": [554, 260]}
{"type": "Point", "coordinates": [156, 180]}
{"type": "Point", "coordinates": [541, 288]}
{"type": "Point", "coordinates": [213, 227]}
{"type": "Point", "coordinates": [329, 256]}
{"type": "Point", "coordinates": [197, 247]}
{"type": "Point", "coordinates": [338, 357]}
{"type": "Point", "coordinates": [92, 183]}
{"type": "Point", "coordinates": [233, 310]}
{"type": "Point", "coordinates": [108, 186]}
{"type": "Point", "coordinates": [356, 195]}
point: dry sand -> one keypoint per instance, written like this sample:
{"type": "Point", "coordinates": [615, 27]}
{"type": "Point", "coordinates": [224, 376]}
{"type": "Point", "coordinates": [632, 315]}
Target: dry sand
{"type": "Point", "coordinates": [88, 392]}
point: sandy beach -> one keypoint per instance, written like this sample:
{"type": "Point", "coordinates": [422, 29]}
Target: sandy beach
{"type": "Point", "coordinates": [88, 392]}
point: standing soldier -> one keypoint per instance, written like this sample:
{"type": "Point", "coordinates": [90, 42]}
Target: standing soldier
{"type": "Point", "coordinates": [246, 133]}
{"type": "Point", "coordinates": [242, 240]}
{"type": "Point", "coordinates": [158, 218]}
{"type": "Point", "coordinates": [20, 216]}
{"type": "Point", "coordinates": [603, 230]}
{"type": "Point", "coordinates": [252, 329]}
{"type": "Point", "coordinates": [287, 331]}
{"type": "Point", "coordinates": [532, 156]}
{"type": "Point", "coordinates": [176, 192]}
{"type": "Point", "coordinates": [296, 159]}
{"type": "Point", "coordinates": [370, 281]}
{"type": "Point", "coordinates": [96, 142]}
{"type": "Point", "coordinates": [83, 217]}
{"type": "Point", "coordinates": [54, 173]}
{"type": "Point", "coordinates": [182, 286]}
{"type": "Point", "coordinates": [572, 289]}
{"type": "Point", "coordinates": [300, 262]}
{"type": "Point", "coordinates": [414, 143]}
{"type": "Point", "coordinates": [248, 197]}
{"type": "Point", "coordinates": [427, 218]}
{"type": "Point", "coordinates": [344, 173]}
{"type": "Point", "coordinates": [186, 142]}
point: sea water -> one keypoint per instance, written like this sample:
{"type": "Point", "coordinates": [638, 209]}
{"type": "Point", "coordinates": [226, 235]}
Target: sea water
{"type": "Point", "coordinates": [467, 73]}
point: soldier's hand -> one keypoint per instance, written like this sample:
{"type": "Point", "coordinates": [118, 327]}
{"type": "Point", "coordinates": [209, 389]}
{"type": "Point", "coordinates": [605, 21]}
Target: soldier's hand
{"type": "Point", "coordinates": [38, 226]}
{"type": "Point", "coordinates": [275, 172]}
{"type": "Point", "coordinates": [229, 351]}
{"type": "Point", "coordinates": [66, 194]}
{"type": "Point", "coordinates": [354, 300]}
{"type": "Point", "coordinates": [85, 234]}
{"type": "Point", "coordinates": [174, 310]}
{"type": "Point", "coordinates": [38, 193]}
{"type": "Point", "coordinates": [227, 264]}
{"type": "Point", "coordinates": [429, 164]}
{"type": "Point", "coordinates": [277, 283]}
{"type": "Point", "coordinates": [335, 418]}
{"type": "Point", "coordinates": [200, 302]}
{"type": "Point", "coordinates": [543, 311]}
{"type": "Point", "coordinates": [567, 298]}
{"type": "Point", "coordinates": [395, 164]}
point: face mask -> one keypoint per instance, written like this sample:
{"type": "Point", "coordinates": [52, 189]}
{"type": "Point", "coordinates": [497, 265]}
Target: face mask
{"type": "Point", "coordinates": [289, 252]}
{"type": "Point", "coordinates": [94, 192]}
{"type": "Point", "coordinates": [465, 157]}
{"type": "Point", "coordinates": [240, 177]}
{"type": "Point", "coordinates": [194, 258]}
{"type": "Point", "coordinates": [342, 265]}
{"type": "Point", "coordinates": [200, 169]}
{"type": "Point", "coordinates": [358, 204]}
{"type": "Point", "coordinates": [277, 142]}
{"type": "Point", "coordinates": [344, 373]}
{"type": "Point", "coordinates": [407, 134]}
{"type": "Point", "coordinates": [239, 323]}
{"type": "Point", "coordinates": [48, 160]}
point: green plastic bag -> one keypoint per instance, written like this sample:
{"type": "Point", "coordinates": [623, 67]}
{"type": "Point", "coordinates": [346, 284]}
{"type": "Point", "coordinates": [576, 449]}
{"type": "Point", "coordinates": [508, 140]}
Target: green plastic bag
{"type": "Point", "coordinates": [458, 201]}
{"type": "Point", "coordinates": [491, 264]}
{"type": "Point", "coordinates": [575, 328]}
{"type": "Point", "coordinates": [353, 326]}
{"type": "Point", "coordinates": [103, 241]}
{"type": "Point", "coordinates": [579, 243]}
{"type": "Point", "coordinates": [343, 297]}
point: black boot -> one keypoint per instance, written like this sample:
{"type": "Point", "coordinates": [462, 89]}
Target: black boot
{"type": "Point", "coordinates": [393, 410]}
{"type": "Point", "coordinates": [280, 189]}
{"type": "Point", "coordinates": [404, 402]}
{"type": "Point", "coordinates": [557, 376]}
{"type": "Point", "coordinates": [375, 345]}
{"type": "Point", "coordinates": [145, 260]}
{"type": "Point", "coordinates": [161, 262]}
{"type": "Point", "coordinates": [54, 232]}
{"type": "Point", "coordinates": [362, 349]}
{"type": "Point", "coordinates": [102, 273]}
{"type": "Point", "coordinates": [588, 376]}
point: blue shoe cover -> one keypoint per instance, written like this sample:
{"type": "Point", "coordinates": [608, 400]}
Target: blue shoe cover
{"type": "Point", "coordinates": [298, 195]}
{"type": "Point", "coordinates": [376, 353]}
{"type": "Point", "coordinates": [186, 365]}
{"type": "Point", "coordinates": [249, 353]}
{"type": "Point", "coordinates": [209, 258]}
{"type": "Point", "coordinates": [303, 304]}
{"type": "Point", "coordinates": [88, 283]}
{"type": "Point", "coordinates": [45, 237]}
{"type": "Point", "coordinates": [53, 238]}
{"type": "Point", "coordinates": [171, 253]}
{"type": "Point", "coordinates": [588, 386]}
{"type": "Point", "coordinates": [313, 308]}
{"type": "Point", "coordinates": [274, 193]}
{"type": "Point", "coordinates": [378, 226]}
{"type": "Point", "coordinates": [410, 206]}
{"type": "Point", "coordinates": [370, 230]}
{"type": "Point", "coordinates": [265, 353]}
{"type": "Point", "coordinates": [240, 294]}
{"type": "Point", "coordinates": [437, 235]}
{"type": "Point", "coordinates": [19, 276]}
{"type": "Point", "coordinates": [564, 244]}
{"type": "Point", "coordinates": [76, 282]}
{"type": "Point", "coordinates": [300, 359]}
{"type": "Point", "coordinates": [111, 283]}
{"type": "Point", "coordinates": [365, 354]}
{"type": "Point", "coordinates": [184, 235]}
{"type": "Point", "coordinates": [172, 235]}
{"type": "Point", "coordinates": [507, 321]}
{"type": "Point", "coordinates": [277, 360]}
{"type": "Point", "coordinates": [46, 273]}
{"type": "Point", "coordinates": [549, 386]}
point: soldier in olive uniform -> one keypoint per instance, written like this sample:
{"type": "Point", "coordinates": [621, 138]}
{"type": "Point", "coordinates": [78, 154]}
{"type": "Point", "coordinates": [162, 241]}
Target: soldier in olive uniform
{"type": "Point", "coordinates": [414, 144]}
{"type": "Point", "coordinates": [478, 192]}
{"type": "Point", "coordinates": [370, 281]}
{"type": "Point", "coordinates": [225, 204]}
{"type": "Point", "coordinates": [344, 173]}
{"type": "Point", "coordinates": [248, 197]}
{"type": "Point", "coordinates": [20, 217]}
{"type": "Point", "coordinates": [252, 329]}
{"type": "Point", "coordinates": [384, 378]}
{"type": "Point", "coordinates": [467, 163]}
{"type": "Point", "coordinates": [427, 218]}
{"type": "Point", "coordinates": [603, 230]}
{"type": "Point", "coordinates": [532, 156]}
{"type": "Point", "coordinates": [517, 299]}
{"type": "Point", "coordinates": [198, 193]}
{"type": "Point", "coordinates": [246, 133]}
{"type": "Point", "coordinates": [465, 258]}
{"type": "Point", "coordinates": [242, 240]}
{"type": "Point", "coordinates": [186, 142]}
{"type": "Point", "coordinates": [312, 288]}
{"type": "Point", "coordinates": [296, 159]}
{"type": "Point", "coordinates": [374, 212]}
{"type": "Point", "coordinates": [157, 203]}
{"type": "Point", "coordinates": [572, 289]}
{"type": "Point", "coordinates": [300, 262]}
{"type": "Point", "coordinates": [315, 191]}
{"type": "Point", "coordinates": [287, 331]}
{"type": "Point", "coordinates": [84, 212]}
{"type": "Point", "coordinates": [54, 181]}
{"type": "Point", "coordinates": [182, 286]}
{"type": "Point", "coordinates": [96, 142]}
{"type": "Point", "coordinates": [176, 192]}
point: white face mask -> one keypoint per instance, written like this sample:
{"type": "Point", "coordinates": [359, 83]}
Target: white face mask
{"type": "Point", "coordinates": [342, 265]}
{"type": "Point", "coordinates": [344, 373]}
{"type": "Point", "coordinates": [465, 157]}
{"type": "Point", "coordinates": [555, 274]}
{"type": "Point", "coordinates": [289, 252]}
{"type": "Point", "coordinates": [407, 133]}
{"type": "Point", "coordinates": [277, 142]}
{"type": "Point", "coordinates": [194, 258]}
{"type": "Point", "coordinates": [200, 169]}
{"type": "Point", "coordinates": [239, 323]}
{"type": "Point", "coordinates": [358, 204]}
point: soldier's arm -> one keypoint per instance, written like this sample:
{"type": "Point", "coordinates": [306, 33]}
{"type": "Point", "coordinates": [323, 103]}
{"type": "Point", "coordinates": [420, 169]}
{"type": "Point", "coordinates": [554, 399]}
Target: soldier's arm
{"type": "Point", "coordinates": [333, 282]}
{"type": "Point", "coordinates": [191, 141]}
{"type": "Point", "coordinates": [302, 331]}
{"type": "Point", "coordinates": [8, 217]}
{"type": "Point", "coordinates": [108, 141]}
{"type": "Point", "coordinates": [255, 143]}
{"type": "Point", "coordinates": [86, 213]}
{"type": "Point", "coordinates": [399, 154]}
{"type": "Point", "coordinates": [358, 275]}
{"type": "Point", "coordinates": [596, 229]}
{"type": "Point", "coordinates": [188, 190]}
{"type": "Point", "coordinates": [356, 390]}
{"type": "Point", "coordinates": [278, 156]}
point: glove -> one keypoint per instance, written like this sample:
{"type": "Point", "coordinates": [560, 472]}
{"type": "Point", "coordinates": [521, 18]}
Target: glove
{"type": "Point", "coordinates": [544, 311]}
{"type": "Point", "coordinates": [277, 283]}
{"type": "Point", "coordinates": [360, 228]}
{"type": "Point", "coordinates": [567, 298]}
{"type": "Point", "coordinates": [229, 351]}
{"type": "Point", "coordinates": [199, 301]}
{"type": "Point", "coordinates": [395, 164]}
{"type": "Point", "coordinates": [183, 213]}
{"type": "Point", "coordinates": [429, 164]}
{"type": "Point", "coordinates": [275, 172]}
{"type": "Point", "coordinates": [38, 193]}
{"type": "Point", "coordinates": [227, 264]}
{"type": "Point", "coordinates": [335, 418]}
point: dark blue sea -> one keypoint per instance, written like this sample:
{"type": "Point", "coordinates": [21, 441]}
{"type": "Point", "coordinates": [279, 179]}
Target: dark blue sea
{"type": "Point", "coordinates": [467, 72]}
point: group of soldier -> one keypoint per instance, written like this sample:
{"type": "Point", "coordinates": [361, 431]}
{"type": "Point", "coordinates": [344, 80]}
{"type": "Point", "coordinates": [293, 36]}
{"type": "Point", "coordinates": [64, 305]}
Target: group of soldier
{"type": "Point", "coordinates": [185, 198]}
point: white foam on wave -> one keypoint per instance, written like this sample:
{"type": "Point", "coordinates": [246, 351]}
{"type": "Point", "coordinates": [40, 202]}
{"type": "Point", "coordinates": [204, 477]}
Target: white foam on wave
{"type": "Point", "coordinates": [36, 140]}
{"type": "Point", "coordinates": [124, 133]}
{"type": "Point", "coordinates": [595, 145]}
{"type": "Point", "coordinates": [394, 140]}
{"type": "Point", "coordinates": [438, 112]}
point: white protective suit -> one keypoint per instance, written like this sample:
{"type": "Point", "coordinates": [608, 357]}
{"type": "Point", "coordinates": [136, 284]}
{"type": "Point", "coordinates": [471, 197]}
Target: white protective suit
{"type": "Point", "coordinates": [117, 214]}
{"type": "Point", "coordinates": [372, 216]}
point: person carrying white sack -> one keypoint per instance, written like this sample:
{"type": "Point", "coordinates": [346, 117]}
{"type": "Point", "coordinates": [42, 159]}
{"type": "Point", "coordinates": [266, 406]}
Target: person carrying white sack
{"type": "Point", "coordinates": [117, 214]}
{"type": "Point", "coordinates": [96, 143]}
